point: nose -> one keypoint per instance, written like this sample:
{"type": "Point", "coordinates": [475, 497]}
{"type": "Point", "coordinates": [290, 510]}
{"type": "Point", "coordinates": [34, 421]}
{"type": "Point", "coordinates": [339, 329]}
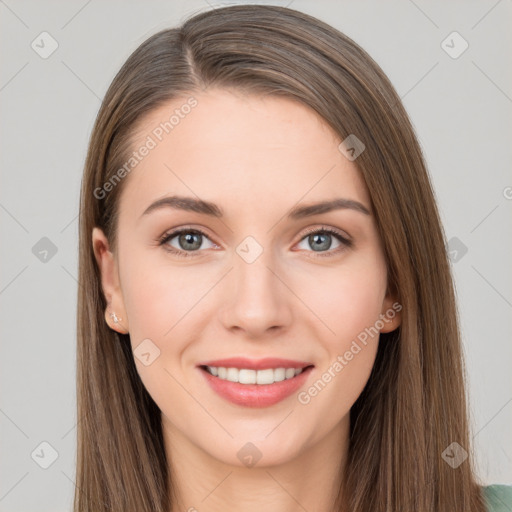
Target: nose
{"type": "Point", "coordinates": [256, 298]}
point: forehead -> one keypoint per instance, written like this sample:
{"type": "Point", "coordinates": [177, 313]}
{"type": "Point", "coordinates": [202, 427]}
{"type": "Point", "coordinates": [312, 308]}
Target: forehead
{"type": "Point", "coordinates": [238, 150]}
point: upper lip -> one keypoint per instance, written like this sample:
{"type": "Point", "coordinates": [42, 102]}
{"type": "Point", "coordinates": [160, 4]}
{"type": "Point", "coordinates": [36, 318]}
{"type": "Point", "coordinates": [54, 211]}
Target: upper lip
{"type": "Point", "coordinates": [256, 364]}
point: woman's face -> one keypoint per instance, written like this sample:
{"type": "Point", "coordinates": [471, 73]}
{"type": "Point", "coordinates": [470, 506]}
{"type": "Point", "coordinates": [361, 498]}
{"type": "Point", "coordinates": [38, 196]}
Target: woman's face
{"type": "Point", "coordinates": [255, 284]}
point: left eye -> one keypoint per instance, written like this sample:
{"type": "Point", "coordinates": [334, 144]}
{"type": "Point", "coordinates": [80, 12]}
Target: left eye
{"type": "Point", "coordinates": [321, 241]}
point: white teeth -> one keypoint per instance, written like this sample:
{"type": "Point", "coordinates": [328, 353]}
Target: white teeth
{"type": "Point", "coordinates": [232, 374]}
{"type": "Point", "coordinates": [247, 376]}
{"type": "Point", "coordinates": [265, 376]}
{"type": "Point", "coordinates": [279, 374]}
{"type": "Point", "coordinates": [289, 373]}
{"type": "Point", "coordinates": [213, 370]}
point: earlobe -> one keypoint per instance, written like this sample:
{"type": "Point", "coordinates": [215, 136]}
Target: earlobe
{"type": "Point", "coordinates": [391, 314]}
{"type": "Point", "coordinates": [110, 283]}
{"type": "Point", "coordinates": [115, 322]}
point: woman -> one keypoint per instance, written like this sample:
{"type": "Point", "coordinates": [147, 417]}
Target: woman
{"type": "Point", "coordinates": [229, 355]}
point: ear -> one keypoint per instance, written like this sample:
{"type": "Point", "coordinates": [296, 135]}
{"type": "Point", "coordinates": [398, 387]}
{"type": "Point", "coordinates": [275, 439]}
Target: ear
{"type": "Point", "coordinates": [391, 312]}
{"type": "Point", "coordinates": [110, 283]}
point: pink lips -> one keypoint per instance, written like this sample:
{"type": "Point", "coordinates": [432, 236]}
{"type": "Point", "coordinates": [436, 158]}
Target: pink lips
{"type": "Point", "coordinates": [256, 395]}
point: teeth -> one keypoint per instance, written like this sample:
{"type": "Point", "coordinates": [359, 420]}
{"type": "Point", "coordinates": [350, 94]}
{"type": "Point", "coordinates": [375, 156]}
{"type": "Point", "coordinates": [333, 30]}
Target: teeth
{"type": "Point", "coordinates": [246, 376]}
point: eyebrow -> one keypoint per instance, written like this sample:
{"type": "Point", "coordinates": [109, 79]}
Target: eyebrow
{"type": "Point", "coordinates": [191, 204]}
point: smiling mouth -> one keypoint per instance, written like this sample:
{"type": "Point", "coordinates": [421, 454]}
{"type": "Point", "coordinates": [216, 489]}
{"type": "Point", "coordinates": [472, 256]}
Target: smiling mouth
{"type": "Point", "coordinates": [249, 376]}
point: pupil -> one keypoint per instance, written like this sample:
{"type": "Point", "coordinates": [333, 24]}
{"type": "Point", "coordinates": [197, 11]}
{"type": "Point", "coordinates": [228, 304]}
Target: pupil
{"type": "Point", "coordinates": [326, 244]}
{"type": "Point", "coordinates": [189, 239]}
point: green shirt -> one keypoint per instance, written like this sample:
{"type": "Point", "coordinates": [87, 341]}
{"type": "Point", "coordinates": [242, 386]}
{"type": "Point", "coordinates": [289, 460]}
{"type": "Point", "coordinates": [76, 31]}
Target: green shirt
{"type": "Point", "coordinates": [498, 498]}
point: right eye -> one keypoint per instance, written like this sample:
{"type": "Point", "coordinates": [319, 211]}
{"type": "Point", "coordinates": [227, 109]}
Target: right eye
{"type": "Point", "coordinates": [189, 239]}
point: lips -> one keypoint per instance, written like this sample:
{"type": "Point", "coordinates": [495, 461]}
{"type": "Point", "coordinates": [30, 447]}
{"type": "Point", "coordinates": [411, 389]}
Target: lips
{"type": "Point", "coordinates": [255, 395]}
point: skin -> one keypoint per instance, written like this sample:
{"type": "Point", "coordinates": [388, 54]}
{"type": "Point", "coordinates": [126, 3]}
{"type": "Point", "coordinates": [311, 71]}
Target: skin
{"type": "Point", "coordinates": [256, 158]}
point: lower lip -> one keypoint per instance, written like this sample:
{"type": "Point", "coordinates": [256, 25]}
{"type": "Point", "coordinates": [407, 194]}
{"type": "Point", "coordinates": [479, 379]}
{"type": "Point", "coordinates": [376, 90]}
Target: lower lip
{"type": "Point", "coordinates": [256, 395]}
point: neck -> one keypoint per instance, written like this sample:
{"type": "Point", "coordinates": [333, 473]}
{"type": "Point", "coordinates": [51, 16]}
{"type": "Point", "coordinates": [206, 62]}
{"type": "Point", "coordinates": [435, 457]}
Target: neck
{"type": "Point", "coordinates": [309, 481]}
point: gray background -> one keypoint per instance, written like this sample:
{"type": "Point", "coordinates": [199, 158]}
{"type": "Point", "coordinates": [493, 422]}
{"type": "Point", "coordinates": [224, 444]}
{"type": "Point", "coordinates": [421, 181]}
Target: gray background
{"type": "Point", "coordinates": [461, 109]}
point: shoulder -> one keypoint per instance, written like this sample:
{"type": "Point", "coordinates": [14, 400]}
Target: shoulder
{"type": "Point", "coordinates": [498, 497]}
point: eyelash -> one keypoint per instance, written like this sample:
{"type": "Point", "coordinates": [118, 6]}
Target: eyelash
{"type": "Point", "coordinates": [187, 254]}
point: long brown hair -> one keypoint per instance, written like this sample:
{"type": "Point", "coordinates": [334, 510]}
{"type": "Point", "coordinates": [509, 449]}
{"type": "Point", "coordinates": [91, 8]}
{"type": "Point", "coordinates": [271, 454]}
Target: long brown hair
{"type": "Point", "coordinates": [414, 404]}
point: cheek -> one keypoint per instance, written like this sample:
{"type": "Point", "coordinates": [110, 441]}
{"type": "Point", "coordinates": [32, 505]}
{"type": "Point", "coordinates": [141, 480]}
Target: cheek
{"type": "Point", "coordinates": [159, 294]}
{"type": "Point", "coordinates": [348, 299]}
{"type": "Point", "coordinates": [166, 304]}
{"type": "Point", "coordinates": [350, 310]}
{"type": "Point", "coordinates": [349, 303]}
{"type": "Point", "coordinates": [159, 300]}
